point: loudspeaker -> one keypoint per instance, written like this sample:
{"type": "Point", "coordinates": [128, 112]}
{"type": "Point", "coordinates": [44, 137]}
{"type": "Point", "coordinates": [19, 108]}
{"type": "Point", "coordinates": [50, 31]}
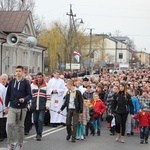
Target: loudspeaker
{"type": "Point", "coordinates": [12, 39]}
{"type": "Point", "coordinates": [31, 42]}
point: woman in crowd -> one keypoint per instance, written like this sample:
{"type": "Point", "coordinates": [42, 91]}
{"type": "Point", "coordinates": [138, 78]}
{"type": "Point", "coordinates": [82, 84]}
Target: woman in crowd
{"type": "Point", "coordinates": [120, 109]}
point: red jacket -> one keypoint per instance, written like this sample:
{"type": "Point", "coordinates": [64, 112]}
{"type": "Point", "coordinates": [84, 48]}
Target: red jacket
{"type": "Point", "coordinates": [99, 107]}
{"type": "Point", "coordinates": [144, 118]}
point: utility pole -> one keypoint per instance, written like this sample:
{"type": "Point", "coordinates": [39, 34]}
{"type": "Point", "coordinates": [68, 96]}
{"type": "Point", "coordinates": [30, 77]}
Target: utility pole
{"type": "Point", "coordinates": [90, 51]}
{"type": "Point", "coordinates": [79, 48]}
{"type": "Point", "coordinates": [116, 55]}
{"type": "Point", "coordinates": [71, 15]}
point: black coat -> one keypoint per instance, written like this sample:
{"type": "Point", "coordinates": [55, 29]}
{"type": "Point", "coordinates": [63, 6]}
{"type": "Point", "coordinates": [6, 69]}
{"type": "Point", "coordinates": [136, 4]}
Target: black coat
{"type": "Point", "coordinates": [121, 103]}
{"type": "Point", "coordinates": [78, 101]}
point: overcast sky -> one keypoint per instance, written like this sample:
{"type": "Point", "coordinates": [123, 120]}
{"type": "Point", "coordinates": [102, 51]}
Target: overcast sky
{"type": "Point", "coordinates": [130, 17]}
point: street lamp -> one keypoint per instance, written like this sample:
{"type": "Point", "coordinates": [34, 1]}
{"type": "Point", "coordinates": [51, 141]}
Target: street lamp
{"type": "Point", "coordinates": [81, 20]}
{"type": "Point", "coordinates": [90, 51]}
{"type": "Point", "coordinates": [71, 20]}
{"type": "Point", "coordinates": [79, 48]}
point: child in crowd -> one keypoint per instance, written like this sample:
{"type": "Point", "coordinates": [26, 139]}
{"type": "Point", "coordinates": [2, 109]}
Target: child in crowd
{"type": "Point", "coordinates": [100, 108]}
{"type": "Point", "coordinates": [90, 123]}
{"type": "Point", "coordinates": [130, 123]}
{"type": "Point", "coordinates": [83, 121]}
{"type": "Point", "coordinates": [80, 129]}
{"type": "Point", "coordinates": [144, 122]}
{"type": "Point", "coordinates": [108, 102]}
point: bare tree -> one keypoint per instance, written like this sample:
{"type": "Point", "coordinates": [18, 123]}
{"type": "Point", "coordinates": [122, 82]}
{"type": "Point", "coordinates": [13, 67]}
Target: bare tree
{"type": "Point", "coordinates": [26, 5]}
{"type": "Point", "coordinates": [117, 33]}
{"type": "Point", "coordinates": [13, 5]}
{"type": "Point", "coordinates": [8, 5]}
{"type": "Point", "coordinates": [131, 44]}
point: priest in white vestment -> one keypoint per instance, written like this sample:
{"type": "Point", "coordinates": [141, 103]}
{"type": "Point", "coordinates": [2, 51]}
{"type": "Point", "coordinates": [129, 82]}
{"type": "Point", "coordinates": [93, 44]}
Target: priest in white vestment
{"type": "Point", "coordinates": [2, 115]}
{"type": "Point", "coordinates": [57, 89]}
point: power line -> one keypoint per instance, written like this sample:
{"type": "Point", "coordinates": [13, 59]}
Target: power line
{"type": "Point", "coordinates": [138, 35]}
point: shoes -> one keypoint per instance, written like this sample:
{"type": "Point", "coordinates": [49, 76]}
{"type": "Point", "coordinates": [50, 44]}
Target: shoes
{"type": "Point", "coordinates": [92, 133]}
{"type": "Point", "coordinates": [63, 124]}
{"type": "Point", "coordinates": [122, 139]}
{"type": "Point", "coordinates": [38, 138]}
{"type": "Point", "coordinates": [68, 137]}
{"type": "Point", "coordinates": [128, 134]}
{"type": "Point", "coordinates": [1, 139]}
{"type": "Point", "coordinates": [118, 137]}
{"type": "Point", "coordinates": [142, 142]}
{"type": "Point", "coordinates": [73, 140]}
{"type": "Point", "coordinates": [132, 133]}
{"type": "Point", "coordinates": [112, 134]}
{"type": "Point", "coordinates": [108, 125]}
{"type": "Point", "coordinates": [146, 141]}
{"type": "Point", "coordinates": [26, 133]}
{"type": "Point", "coordinates": [54, 125]}
{"type": "Point", "coordinates": [82, 137]}
{"type": "Point", "coordinates": [18, 147]}
{"type": "Point", "coordinates": [11, 147]}
{"type": "Point", "coordinates": [137, 130]}
{"type": "Point", "coordinates": [77, 138]}
{"type": "Point", "coordinates": [98, 133]}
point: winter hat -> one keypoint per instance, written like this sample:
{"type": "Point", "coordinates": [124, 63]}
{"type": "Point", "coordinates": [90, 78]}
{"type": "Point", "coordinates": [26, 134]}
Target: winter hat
{"type": "Point", "coordinates": [143, 105]}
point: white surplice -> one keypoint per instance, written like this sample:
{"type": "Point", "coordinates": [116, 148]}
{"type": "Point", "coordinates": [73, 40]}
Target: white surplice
{"type": "Point", "coordinates": [56, 99]}
{"type": "Point", "coordinates": [2, 99]}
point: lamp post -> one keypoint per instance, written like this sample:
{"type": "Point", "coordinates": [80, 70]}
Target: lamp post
{"type": "Point", "coordinates": [79, 48]}
{"type": "Point", "coordinates": [90, 51]}
{"type": "Point", "coordinates": [73, 26]}
{"type": "Point", "coordinates": [71, 15]}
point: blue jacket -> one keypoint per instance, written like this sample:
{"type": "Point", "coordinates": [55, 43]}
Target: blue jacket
{"type": "Point", "coordinates": [17, 90]}
{"type": "Point", "coordinates": [135, 104]}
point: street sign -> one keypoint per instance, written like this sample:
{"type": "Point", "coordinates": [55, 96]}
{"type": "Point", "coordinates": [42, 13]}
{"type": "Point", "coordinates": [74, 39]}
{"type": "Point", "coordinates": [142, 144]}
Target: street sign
{"type": "Point", "coordinates": [62, 65]}
{"type": "Point", "coordinates": [73, 66]}
{"type": "Point", "coordinates": [86, 63]}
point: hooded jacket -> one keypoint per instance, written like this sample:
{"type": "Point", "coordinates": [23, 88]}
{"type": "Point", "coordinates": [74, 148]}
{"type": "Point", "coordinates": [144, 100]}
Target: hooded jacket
{"type": "Point", "coordinates": [144, 118]}
{"type": "Point", "coordinates": [15, 91]}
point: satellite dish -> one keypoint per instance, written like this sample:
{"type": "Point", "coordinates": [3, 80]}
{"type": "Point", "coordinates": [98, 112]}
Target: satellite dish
{"type": "Point", "coordinates": [31, 42]}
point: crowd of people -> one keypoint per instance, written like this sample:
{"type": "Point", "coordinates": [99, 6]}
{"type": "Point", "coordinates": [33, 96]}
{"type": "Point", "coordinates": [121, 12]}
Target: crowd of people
{"type": "Point", "coordinates": [79, 103]}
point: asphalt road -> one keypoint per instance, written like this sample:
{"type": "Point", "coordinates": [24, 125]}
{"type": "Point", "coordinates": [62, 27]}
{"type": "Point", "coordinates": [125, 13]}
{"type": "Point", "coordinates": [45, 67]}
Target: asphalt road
{"type": "Point", "coordinates": [55, 139]}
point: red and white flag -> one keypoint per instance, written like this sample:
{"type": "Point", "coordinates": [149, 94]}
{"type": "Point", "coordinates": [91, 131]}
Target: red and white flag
{"type": "Point", "coordinates": [76, 53]}
{"type": "Point", "coordinates": [77, 56]}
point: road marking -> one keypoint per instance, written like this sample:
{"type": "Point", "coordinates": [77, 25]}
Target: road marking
{"type": "Point", "coordinates": [53, 131]}
{"type": "Point", "coordinates": [49, 130]}
{"type": "Point", "coordinates": [45, 133]}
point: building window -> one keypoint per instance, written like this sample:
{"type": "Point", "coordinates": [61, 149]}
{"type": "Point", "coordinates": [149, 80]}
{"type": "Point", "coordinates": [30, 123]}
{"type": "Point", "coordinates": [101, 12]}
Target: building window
{"type": "Point", "coordinates": [120, 55]}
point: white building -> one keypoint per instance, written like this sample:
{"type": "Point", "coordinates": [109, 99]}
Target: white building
{"type": "Point", "coordinates": [114, 50]}
{"type": "Point", "coordinates": [11, 55]}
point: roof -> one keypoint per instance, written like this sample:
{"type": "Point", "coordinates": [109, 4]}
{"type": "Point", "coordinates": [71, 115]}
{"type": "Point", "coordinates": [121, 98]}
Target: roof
{"type": "Point", "coordinates": [121, 38]}
{"type": "Point", "coordinates": [13, 21]}
{"type": "Point", "coordinates": [2, 35]}
{"type": "Point", "coordinates": [41, 46]}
